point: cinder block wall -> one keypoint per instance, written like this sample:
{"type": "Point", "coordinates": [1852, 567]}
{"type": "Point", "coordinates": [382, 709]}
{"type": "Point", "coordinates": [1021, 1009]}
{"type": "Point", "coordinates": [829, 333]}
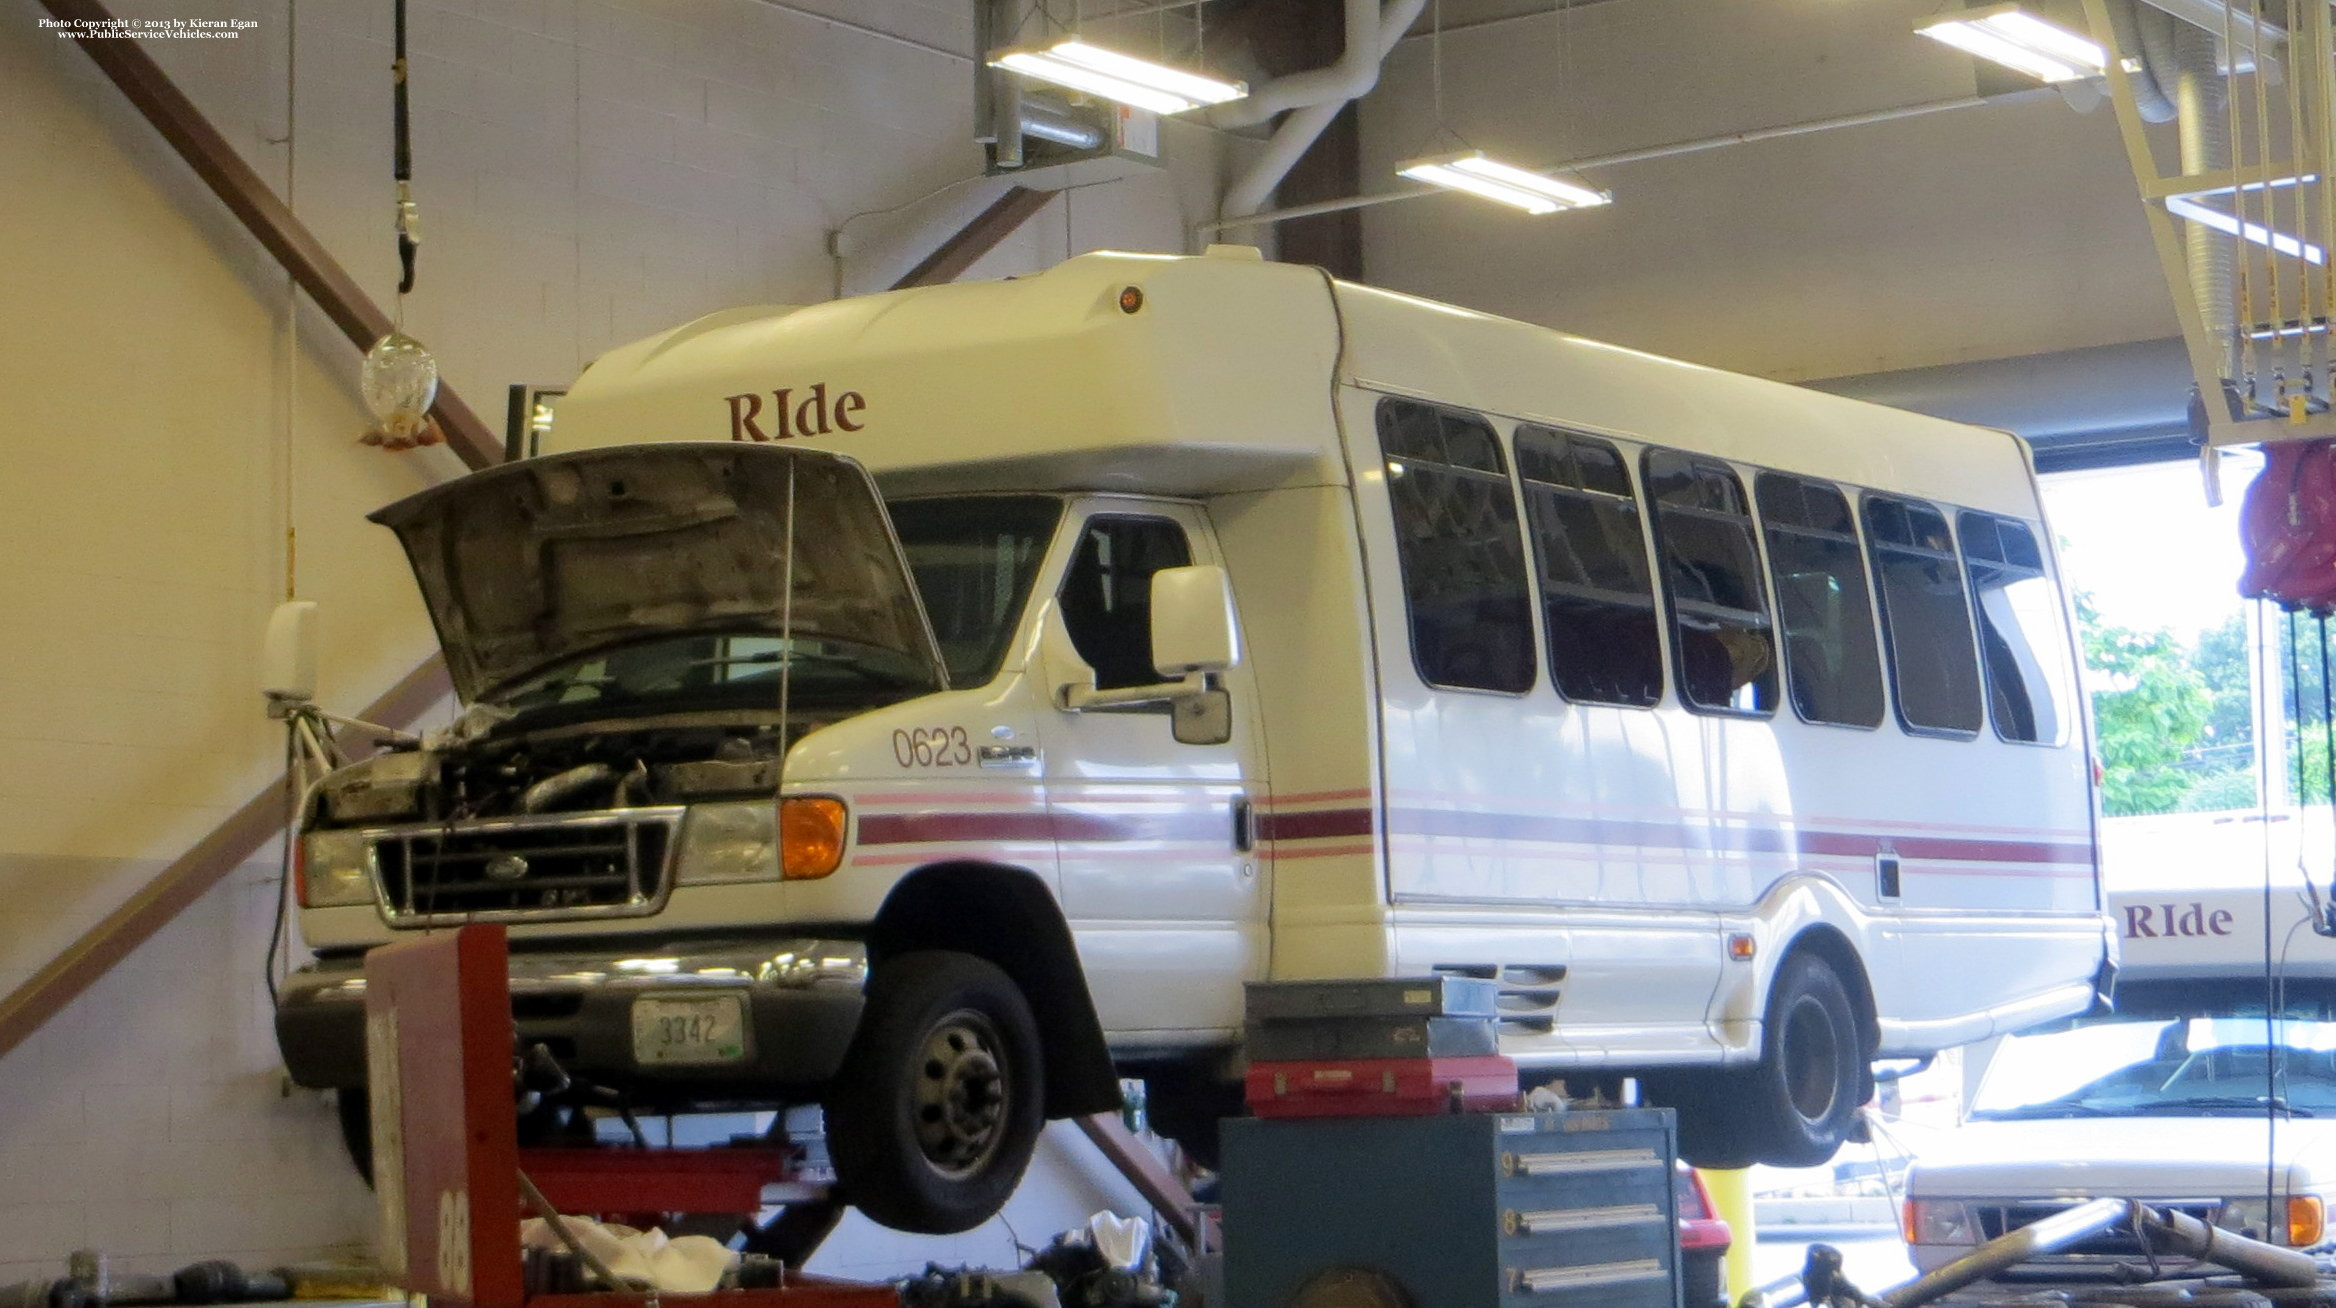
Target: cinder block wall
{"type": "Point", "coordinates": [588, 172]}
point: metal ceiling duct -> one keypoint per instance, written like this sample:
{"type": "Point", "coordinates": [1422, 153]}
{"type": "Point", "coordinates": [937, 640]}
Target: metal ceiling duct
{"type": "Point", "coordinates": [1383, 28]}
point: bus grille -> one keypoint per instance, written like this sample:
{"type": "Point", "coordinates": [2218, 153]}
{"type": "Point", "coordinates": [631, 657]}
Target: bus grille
{"type": "Point", "coordinates": [613, 864]}
{"type": "Point", "coordinates": [2117, 1241]}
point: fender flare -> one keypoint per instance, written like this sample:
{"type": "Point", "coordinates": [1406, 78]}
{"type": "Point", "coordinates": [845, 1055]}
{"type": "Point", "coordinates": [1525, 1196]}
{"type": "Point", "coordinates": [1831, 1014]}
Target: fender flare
{"type": "Point", "coordinates": [1007, 916]}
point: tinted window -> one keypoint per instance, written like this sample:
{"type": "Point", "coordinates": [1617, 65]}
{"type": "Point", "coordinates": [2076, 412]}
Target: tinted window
{"type": "Point", "coordinates": [973, 559]}
{"type": "Point", "coordinates": [1597, 599]}
{"type": "Point", "coordinates": [1831, 663]}
{"type": "Point", "coordinates": [1711, 575]}
{"type": "Point", "coordinates": [1924, 616]}
{"type": "Point", "coordinates": [1456, 539]}
{"type": "Point", "coordinates": [2022, 644]}
{"type": "Point", "coordinates": [1106, 598]}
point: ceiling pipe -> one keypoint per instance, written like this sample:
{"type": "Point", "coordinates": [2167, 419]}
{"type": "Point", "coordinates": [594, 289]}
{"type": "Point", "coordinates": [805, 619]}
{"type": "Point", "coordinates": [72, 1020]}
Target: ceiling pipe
{"type": "Point", "coordinates": [2151, 34]}
{"type": "Point", "coordinates": [1408, 192]}
{"type": "Point", "coordinates": [2202, 97]}
{"type": "Point", "coordinates": [1298, 132]}
{"type": "Point", "coordinates": [1355, 73]}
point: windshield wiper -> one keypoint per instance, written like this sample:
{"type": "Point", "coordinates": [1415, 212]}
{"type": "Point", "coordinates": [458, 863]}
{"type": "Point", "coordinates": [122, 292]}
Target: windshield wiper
{"type": "Point", "coordinates": [830, 658]}
{"type": "Point", "coordinates": [2027, 1112]}
{"type": "Point", "coordinates": [2252, 1103]}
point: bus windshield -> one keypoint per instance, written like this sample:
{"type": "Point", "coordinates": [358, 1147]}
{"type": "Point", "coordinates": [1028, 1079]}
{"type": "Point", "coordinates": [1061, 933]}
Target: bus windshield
{"type": "Point", "coordinates": [973, 558]}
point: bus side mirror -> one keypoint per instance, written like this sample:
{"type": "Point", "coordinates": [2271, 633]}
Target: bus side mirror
{"type": "Point", "coordinates": [1194, 636]}
{"type": "Point", "coordinates": [1194, 629]}
{"type": "Point", "coordinates": [288, 657]}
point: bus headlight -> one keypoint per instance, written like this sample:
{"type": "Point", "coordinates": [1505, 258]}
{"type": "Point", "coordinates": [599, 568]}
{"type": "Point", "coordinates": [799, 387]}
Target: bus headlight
{"type": "Point", "coordinates": [1938, 1221]}
{"type": "Point", "coordinates": [799, 839]}
{"type": "Point", "coordinates": [722, 843]}
{"type": "Point", "coordinates": [2306, 1220]}
{"type": "Point", "coordinates": [333, 870]}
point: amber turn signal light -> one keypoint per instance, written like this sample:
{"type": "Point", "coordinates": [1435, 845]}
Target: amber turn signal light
{"type": "Point", "coordinates": [811, 837]}
{"type": "Point", "coordinates": [2307, 1220]}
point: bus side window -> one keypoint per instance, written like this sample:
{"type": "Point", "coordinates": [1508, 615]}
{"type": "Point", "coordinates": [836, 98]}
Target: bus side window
{"type": "Point", "coordinates": [1831, 661]}
{"type": "Point", "coordinates": [1597, 596]}
{"type": "Point", "coordinates": [1933, 670]}
{"type": "Point", "coordinates": [2021, 636]}
{"type": "Point", "coordinates": [1720, 632]}
{"type": "Point", "coordinates": [1457, 543]}
{"type": "Point", "coordinates": [1106, 599]}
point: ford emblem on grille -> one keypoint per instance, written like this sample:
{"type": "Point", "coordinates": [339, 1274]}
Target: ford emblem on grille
{"type": "Point", "coordinates": [506, 867]}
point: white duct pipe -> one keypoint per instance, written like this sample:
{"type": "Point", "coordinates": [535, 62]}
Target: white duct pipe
{"type": "Point", "coordinates": [1298, 132]}
{"type": "Point", "coordinates": [2202, 96]}
{"type": "Point", "coordinates": [1356, 71]}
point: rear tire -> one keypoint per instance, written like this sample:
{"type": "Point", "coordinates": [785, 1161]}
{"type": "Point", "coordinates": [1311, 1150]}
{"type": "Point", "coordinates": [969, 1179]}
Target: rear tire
{"type": "Point", "coordinates": [1814, 1067]}
{"type": "Point", "coordinates": [1799, 1104]}
{"type": "Point", "coordinates": [933, 1115]}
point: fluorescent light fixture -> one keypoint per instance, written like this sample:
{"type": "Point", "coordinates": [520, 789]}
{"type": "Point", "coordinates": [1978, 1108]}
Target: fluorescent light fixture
{"type": "Point", "coordinates": [2015, 38]}
{"type": "Point", "coordinates": [1124, 78]}
{"type": "Point", "coordinates": [2190, 206]}
{"type": "Point", "coordinates": [1493, 180]}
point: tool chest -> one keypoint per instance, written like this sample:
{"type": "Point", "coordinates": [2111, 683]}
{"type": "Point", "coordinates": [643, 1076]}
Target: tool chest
{"type": "Point", "coordinates": [1472, 1210]}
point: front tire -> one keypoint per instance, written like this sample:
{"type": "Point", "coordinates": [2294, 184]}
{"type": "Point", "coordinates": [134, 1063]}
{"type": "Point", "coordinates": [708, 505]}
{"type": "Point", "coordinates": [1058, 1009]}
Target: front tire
{"type": "Point", "coordinates": [933, 1115]}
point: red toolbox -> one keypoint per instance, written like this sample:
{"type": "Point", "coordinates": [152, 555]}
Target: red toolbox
{"type": "Point", "coordinates": [1382, 1087]}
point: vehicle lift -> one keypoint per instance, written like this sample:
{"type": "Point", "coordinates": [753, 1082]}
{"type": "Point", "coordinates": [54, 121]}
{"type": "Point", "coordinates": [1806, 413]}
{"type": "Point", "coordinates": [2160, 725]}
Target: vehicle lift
{"type": "Point", "coordinates": [453, 1183]}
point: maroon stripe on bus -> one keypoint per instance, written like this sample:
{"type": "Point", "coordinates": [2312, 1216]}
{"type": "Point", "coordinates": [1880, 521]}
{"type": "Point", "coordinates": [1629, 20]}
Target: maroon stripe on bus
{"type": "Point", "coordinates": [1612, 833]}
{"type": "Point", "coordinates": [1062, 825]}
{"type": "Point", "coordinates": [1319, 825]}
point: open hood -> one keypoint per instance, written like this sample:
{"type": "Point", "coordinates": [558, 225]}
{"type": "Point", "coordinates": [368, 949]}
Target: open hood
{"type": "Point", "coordinates": [533, 564]}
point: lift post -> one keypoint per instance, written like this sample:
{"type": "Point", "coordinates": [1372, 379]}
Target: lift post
{"type": "Point", "coordinates": [448, 1167]}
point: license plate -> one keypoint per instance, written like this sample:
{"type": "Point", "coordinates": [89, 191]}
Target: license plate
{"type": "Point", "coordinates": [710, 1029]}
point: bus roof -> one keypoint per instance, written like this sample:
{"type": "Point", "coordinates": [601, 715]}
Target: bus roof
{"type": "Point", "coordinates": [1199, 375]}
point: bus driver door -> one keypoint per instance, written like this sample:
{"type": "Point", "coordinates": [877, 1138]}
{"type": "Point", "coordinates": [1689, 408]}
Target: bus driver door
{"type": "Point", "coordinates": [1161, 878]}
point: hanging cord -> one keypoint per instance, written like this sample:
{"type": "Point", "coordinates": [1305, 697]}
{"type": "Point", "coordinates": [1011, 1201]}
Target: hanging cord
{"type": "Point", "coordinates": [2270, 207]}
{"type": "Point", "coordinates": [2294, 95]}
{"type": "Point", "coordinates": [786, 667]}
{"type": "Point", "coordinates": [409, 227]}
{"type": "Point", "coordinates": [2323, 911]}
{"type": "Point", "coordinates": [2295, 713]}
{"type": "Point", "coordinates": [1436, 60]}
{"type": "Point", "coordinates": [2323, 83]}
{"type": "Point", "coordinates": [2241, 261]}
{"type": "Point", "coordinates": [280, 929]}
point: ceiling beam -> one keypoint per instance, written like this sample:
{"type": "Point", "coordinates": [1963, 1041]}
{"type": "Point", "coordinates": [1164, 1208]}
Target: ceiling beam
{"type": "Point", "coordinates": [266, 217]}
{"type": "Point", "coordinates": [969, 243]}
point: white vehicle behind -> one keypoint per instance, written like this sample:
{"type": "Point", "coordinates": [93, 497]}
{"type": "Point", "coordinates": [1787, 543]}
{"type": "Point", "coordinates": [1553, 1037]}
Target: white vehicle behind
{"type": "Point", "coordinates": [2211, 1089]}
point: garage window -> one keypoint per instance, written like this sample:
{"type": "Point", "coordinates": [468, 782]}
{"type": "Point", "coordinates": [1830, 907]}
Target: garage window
{"type": "Point", "coordinates": [1932, 667]}
{"type": "Point", "coordinates": [1832, 664]}
{"type": "Point", "coordinates": [1457, 541]}
{"type": "Point", "coordinates": [1597, 597]}
{"type": "Point", "coordinates": [1720, 633]}
{"type": "Point", "coordinates": [2022, 642]}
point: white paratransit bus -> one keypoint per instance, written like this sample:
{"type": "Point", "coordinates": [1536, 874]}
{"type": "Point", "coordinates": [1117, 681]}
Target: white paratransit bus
{"type": "Point", "coordinates": [2211, 1087]}
{"type": "Point", "coordinates": [1279, 628]}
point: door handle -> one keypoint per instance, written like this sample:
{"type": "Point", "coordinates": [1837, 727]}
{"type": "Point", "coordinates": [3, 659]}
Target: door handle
{"type": "Point", "coordinates": [1244, 824]}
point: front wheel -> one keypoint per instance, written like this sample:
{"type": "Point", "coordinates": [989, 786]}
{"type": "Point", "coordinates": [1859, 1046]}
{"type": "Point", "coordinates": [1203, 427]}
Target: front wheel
{"type": "Point", "coordinates": [933, 1115]}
